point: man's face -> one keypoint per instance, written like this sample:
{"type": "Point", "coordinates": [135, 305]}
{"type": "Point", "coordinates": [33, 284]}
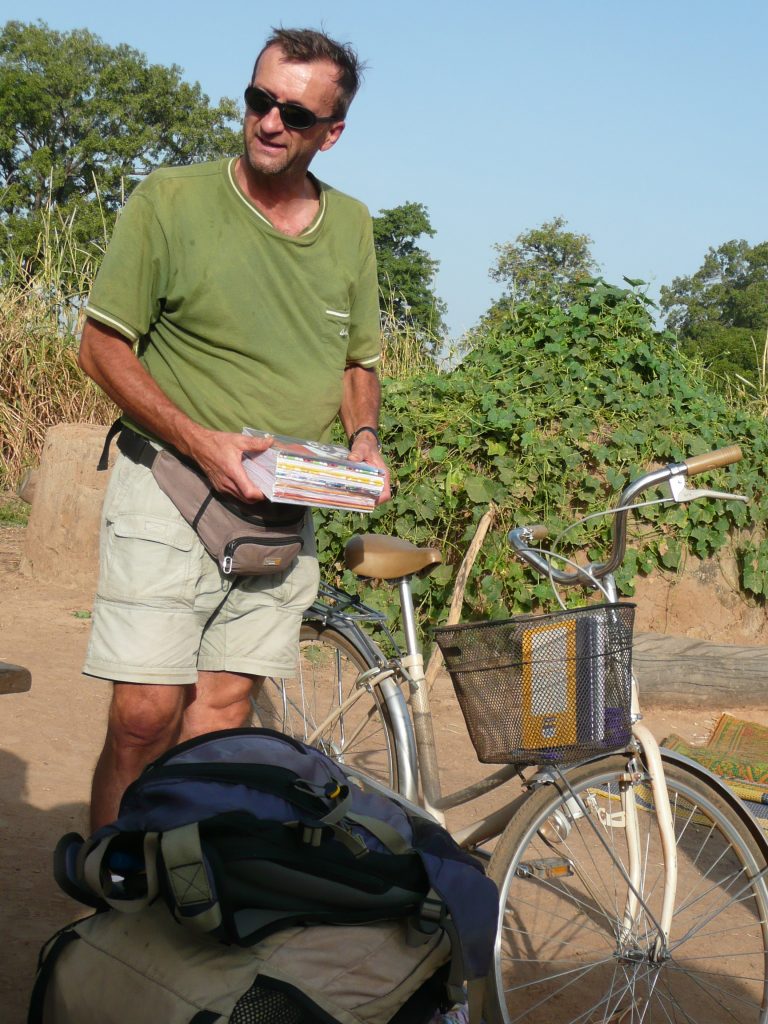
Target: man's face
{"type": "Point", "coordinates": [270, 147]}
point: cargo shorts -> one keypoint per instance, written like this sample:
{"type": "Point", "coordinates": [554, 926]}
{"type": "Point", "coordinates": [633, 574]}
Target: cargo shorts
{"type": "Point", "coordinates": [164, 610]}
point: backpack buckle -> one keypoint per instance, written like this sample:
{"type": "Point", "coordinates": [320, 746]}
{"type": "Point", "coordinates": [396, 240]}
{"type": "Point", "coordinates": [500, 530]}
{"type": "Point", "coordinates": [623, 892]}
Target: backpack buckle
{"type": "Point", "coordinates": [429, 919]}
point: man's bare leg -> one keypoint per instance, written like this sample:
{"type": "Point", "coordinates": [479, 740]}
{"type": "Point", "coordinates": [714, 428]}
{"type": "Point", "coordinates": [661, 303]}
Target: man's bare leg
{"type": "Point", "coordinates": [219, 700]}
{"type": "Point", "coordinates": [144, 721]}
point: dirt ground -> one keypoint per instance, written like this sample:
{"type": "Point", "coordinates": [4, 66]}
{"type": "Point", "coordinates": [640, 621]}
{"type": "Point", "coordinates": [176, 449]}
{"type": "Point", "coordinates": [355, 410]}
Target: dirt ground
{"type": "Point", "coordinates": [50, 738]}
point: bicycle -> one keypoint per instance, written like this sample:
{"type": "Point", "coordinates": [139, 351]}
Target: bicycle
{"type": "Point", "coordinates": [624, 871]}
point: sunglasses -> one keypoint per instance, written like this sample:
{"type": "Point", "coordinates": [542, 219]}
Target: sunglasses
{"type": "Point", "coordinates": [293, 115]}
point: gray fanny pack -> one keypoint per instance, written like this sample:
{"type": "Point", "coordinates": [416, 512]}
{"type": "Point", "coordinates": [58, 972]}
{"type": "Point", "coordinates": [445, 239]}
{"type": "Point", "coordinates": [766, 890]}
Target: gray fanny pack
{"type": "Point", "coordinates": [246, 539]}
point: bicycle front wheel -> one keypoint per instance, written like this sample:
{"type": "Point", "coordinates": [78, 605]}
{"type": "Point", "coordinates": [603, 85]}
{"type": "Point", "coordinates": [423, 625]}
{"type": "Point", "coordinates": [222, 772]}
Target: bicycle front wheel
{"type": "Point", "coordinates": [329, 667]}
{"type": "Point", "coordinates": [574, 946]}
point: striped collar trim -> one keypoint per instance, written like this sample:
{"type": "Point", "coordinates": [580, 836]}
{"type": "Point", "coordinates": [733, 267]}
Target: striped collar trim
{"type": "Point", "coordinates": [313, 227]}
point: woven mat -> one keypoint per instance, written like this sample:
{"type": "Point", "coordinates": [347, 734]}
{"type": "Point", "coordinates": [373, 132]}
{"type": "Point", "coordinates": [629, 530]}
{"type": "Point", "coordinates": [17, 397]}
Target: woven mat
{"type": "Point", "coordinates": [737, 751]}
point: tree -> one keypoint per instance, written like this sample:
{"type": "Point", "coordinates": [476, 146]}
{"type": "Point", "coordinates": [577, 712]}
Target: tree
{"type": "Point", "coordinates": [406, 271]}
{"type": "Point", "coordinates": [80, 120]}
{"type": "Point", "coordinates": [545, 265]}
{"type": "Point", "coordinates": [721, 311]}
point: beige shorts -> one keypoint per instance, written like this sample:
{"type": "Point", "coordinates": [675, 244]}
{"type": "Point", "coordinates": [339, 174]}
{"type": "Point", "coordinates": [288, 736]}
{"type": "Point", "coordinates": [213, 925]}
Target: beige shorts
{"type": "Point", "coordinates": [158, 588]}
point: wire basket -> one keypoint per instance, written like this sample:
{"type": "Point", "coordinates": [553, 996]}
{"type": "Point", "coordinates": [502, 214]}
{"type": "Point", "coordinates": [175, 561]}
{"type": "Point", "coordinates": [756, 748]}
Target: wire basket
{"type": "Point", "coordinates": [543, 688]}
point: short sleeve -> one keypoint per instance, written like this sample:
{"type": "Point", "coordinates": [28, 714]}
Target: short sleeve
{"type": "Point", "coordinates": [130, 285]}
{"type": "Point", "coordinates": [364, 347]}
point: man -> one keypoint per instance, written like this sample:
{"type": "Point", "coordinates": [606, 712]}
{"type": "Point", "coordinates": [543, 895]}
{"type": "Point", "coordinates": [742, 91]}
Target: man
{"type": "Point", "coordinates": [249, 290]}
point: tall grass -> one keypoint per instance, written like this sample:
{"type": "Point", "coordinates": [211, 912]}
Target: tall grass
{"type": "Point", "coordinates": [406, 348]}
{"type": "Point", "coordinates": [41, 302]}
{"type": "Point", "coordinates": [752, 394]}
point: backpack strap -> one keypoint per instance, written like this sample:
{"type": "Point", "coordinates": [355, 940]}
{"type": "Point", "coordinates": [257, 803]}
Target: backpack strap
{"type": "Point", "coordinates": [66, 873]}
{"type": "Point", "coordinates": [49, 956]}
{"type": "Point", "coordinates": [386, 834]}
{"type": "Point", "coordinates": [195, 901]}
{"type": "Point", "coordinates": [340, 795]}
{"type": "Point", "coordinates": [432, 915]}
{"type": "Point", "coordinates": [93, 867]}
{"type": "Point", "coordinates": [475, 998]}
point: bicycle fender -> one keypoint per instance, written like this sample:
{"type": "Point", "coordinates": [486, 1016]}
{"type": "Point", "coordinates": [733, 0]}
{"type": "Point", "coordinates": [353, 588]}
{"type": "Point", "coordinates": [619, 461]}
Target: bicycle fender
{"type": "Point", "coordinates": [335, 622]}
{"type": "Point", "coordinates": [689, 765]}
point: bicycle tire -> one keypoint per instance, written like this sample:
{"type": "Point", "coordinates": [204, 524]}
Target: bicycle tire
{"type": "Point", "coordinates": [329, 665]}
{"type": "Point", "coordinates": [560, 954]}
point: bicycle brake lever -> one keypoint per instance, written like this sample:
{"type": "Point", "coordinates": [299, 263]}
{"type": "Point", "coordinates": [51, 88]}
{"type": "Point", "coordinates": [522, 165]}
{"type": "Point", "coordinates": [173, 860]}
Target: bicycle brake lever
{"type": "Point", "coordinates": [680, 491]}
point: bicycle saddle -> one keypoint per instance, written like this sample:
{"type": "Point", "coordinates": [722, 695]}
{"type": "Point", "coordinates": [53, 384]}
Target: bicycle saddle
{"type": "Point", "coordinates": [388, 558]}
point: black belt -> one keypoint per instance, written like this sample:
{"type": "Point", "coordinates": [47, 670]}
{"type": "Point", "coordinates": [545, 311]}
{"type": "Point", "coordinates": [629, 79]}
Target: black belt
{"type": "Point", "coordinates": [134, 446]}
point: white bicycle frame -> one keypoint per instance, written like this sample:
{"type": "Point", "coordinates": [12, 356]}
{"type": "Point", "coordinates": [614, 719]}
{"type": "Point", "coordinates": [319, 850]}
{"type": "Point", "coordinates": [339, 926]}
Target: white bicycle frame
{"type": "Point", "coordinates": [420, 766]}
{"type": "Point", "coordinates": [415, 746]}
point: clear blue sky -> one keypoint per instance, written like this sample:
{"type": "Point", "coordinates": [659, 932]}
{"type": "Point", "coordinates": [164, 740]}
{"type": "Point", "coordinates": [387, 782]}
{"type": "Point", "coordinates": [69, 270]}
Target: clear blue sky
{"type": "Point", "coordinates": [642, 124]}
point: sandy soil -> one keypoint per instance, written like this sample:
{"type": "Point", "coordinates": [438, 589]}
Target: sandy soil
{"type": "Point", "coordinates": [50, 738]}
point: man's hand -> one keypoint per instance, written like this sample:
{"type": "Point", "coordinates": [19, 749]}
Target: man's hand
{"type": "Point", "coordinates": [220, 456]}
{"type": "Point", "coordinates": [366, 449]}
{"type": "Point", "coordinates": [107, 357]}
{"type": "Point", "coordinates": [360, 407]}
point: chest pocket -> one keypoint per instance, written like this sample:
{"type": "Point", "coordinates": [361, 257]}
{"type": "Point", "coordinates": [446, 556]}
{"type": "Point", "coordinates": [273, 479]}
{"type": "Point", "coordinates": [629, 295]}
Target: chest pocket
{"type": "Point", "coordinates": [337, 323]}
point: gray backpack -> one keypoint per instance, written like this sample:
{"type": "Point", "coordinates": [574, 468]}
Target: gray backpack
{"type": "Point", "coordinates": [122, 968]}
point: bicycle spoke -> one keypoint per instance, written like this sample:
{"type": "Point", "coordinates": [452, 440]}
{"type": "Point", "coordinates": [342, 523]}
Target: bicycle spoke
{"type": "Point", "coordinates": [564, 955]}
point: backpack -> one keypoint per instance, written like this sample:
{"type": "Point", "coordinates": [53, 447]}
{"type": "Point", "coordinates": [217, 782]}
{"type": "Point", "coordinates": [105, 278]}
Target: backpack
{"type": "Point", "coordinates": [124, 968]}
{"type": "Point", "coordinates": [246, 832]}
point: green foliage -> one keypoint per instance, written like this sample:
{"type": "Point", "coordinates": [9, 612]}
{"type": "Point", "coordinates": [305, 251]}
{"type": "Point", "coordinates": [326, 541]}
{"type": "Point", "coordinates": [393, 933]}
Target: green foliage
{"type": "Point", "coordinates": [407, 272]}
{"type": "Point", "coordinates": [546, 264]}
{"type": "Point", "coordinates": [80, 120]}
{"type": "Point", "coordinates": [721, 311]}
{"type": "Point", "coordinates": [549, 417]}
{"type": "Point", "coordinates": [725, 351]}
{"type": "Point", "coordinates": [13, 511]}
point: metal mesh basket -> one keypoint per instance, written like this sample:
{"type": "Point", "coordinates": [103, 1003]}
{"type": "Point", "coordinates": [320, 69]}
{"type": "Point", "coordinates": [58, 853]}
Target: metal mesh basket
{"type": "Point", "coordinates": [538, 688]}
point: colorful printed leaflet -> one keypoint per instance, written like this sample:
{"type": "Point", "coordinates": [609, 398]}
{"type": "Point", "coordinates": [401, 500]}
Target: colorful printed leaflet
{"type": "Point", "coordinates": [309, 473]}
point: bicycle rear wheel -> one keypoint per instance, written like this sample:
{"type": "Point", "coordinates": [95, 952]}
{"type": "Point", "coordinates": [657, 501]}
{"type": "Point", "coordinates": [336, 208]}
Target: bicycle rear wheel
{"type": "Point", "coordinates": [566, 953]}
{"type": "Point", "coordinates": [329, 667]}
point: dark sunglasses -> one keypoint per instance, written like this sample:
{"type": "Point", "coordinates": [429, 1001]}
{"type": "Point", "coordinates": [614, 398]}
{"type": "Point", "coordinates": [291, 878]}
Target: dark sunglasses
{"type": "Point", "coordinates": [293, 115]}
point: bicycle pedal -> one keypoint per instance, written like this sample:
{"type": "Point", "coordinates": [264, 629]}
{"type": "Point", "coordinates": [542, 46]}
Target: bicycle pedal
{"type": "Point", "coordinates": [546, 867]}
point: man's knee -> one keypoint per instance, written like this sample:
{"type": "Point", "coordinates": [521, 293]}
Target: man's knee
{"type": "Point", "coordinates": [145, 715]}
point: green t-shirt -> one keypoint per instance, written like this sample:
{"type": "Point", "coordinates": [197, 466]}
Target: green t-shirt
{"type": "Point", "coordinates": [239, 324]}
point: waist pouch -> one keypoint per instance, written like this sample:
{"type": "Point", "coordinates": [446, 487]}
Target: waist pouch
{"type": "Point", "coordinates": [245, 538]}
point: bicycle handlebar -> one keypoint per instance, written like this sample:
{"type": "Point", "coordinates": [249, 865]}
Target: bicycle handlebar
{"type": "Point", "coordinates": [713, 460]}
{"type": "Point", "coordinates": [523, 536]}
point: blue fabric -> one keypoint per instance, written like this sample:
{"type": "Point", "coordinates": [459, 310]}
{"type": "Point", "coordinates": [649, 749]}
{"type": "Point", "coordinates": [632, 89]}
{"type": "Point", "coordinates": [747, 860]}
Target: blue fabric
{"type": "Point", "coordinates": [159, 802]}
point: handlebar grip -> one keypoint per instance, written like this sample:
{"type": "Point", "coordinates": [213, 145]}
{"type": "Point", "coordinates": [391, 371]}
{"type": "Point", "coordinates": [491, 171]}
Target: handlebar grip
{"type": "Point", "coordinates": [711, 460]}
{"type": "Point", "coordinates": [538, 532]}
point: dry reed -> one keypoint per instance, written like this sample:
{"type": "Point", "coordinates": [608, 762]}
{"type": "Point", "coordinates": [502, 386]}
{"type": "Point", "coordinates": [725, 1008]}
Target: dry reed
{"type": "Point", "coordinates": [406, 348]}
{"type": "Point", "coordinates": [40, 381]}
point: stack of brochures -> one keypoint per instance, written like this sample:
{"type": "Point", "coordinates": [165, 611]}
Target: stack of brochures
{"type": "Point", "coordinates": [309, 473]}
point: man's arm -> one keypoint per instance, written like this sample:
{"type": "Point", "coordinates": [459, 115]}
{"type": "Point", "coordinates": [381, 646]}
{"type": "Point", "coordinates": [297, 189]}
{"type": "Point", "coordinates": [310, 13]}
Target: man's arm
{"type": "Point", "coordinates": [107, 357]}
{"type": "Point", "coordinates": [360, 408]}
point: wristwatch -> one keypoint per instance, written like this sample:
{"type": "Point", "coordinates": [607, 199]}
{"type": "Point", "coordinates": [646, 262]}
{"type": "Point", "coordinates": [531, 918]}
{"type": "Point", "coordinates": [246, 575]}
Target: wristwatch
{"type": "Point", "coordinates": [372, 430]}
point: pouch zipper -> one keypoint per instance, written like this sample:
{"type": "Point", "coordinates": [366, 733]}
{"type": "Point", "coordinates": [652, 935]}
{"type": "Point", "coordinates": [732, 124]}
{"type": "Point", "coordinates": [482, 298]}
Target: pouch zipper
{"type": "Point", "coordinates": [231, 548]}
